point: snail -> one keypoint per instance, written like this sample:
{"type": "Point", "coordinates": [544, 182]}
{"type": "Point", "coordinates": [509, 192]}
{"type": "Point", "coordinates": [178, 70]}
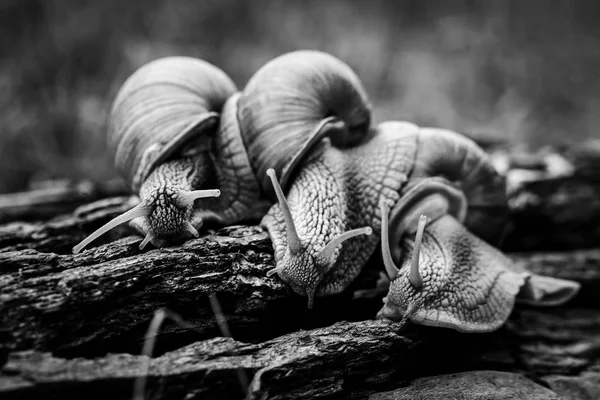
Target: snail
{"type": "Point", "coordinates": [450, 276]}
{"type": "Point", "coordinates": [175, 136]}
{"type": "Point", "coordinates": [332, 199]}
{"type": "Point", "coordinates": [301, 115]}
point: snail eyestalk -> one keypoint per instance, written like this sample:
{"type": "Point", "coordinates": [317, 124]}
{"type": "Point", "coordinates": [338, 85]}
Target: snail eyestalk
{"type": "Point", "coordinates": [292, 235]}
{"type": "Point", "coordinates": [414, 277]}
{"type": "Point", "coordinates": [187, 198]}
{"type": "Point", "coordinates": [325, 254]}
{"type": "Point", "coordinates": [311, 297]}
{"type": "Point", "coordinates": [138, 211]}
{"type": "Point", "coordinates": [190, 228]}
{"type": "Point", "coordinates": [148, 238]}
{"type": "Point", "coordinates": [275, 270]}
{"type": "Point", "coordinates": [390, 267]}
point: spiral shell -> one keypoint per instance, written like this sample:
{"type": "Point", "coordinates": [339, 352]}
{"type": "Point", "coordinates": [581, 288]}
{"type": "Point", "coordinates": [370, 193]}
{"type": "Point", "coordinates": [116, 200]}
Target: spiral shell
{"type": "Point", "coordinates": [294, 101]}
{"type": "Point", "coordinates": [159, 108]}
{"type": "Point", "coordinates": [450, 155]}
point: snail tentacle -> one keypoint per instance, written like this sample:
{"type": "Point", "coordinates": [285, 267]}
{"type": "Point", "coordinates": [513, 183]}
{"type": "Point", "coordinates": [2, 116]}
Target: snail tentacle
{"type": "Point", "coordinates": [141, 210]}
{"type": "Point", "coordinates": [190, 228]}
{"type": "Point", "coordinates": [148, 238]}
{"type": "Point", "coordinates": [390, 267]}
{"type": "Point", "coordinates": [187, 197]}
{"type": "Point", "coordinates": [293, 240]}
{"type": "Point", "coordinates": [275, 270]}
{"type": "Point", "coordinates": [415, 278]}
{"type": "Point", "coordinates": [324, 255]}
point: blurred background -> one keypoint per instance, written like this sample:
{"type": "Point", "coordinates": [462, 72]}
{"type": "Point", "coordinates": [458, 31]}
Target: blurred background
{"type": "Point", "coordinates": [522, 71]}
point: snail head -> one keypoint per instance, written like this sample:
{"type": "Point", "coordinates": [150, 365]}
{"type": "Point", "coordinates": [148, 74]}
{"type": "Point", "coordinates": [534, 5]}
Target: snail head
{"type": "Point", "coordinates": [448, 276]}
{"type": "Point", "coordinates": [421, 281]}
{"type": "Point", "coordinates": [165, 208]}
{"type": "Point", "coordinates": [302, 264]}
{"type": "Point", "coordinates": [407, 283]}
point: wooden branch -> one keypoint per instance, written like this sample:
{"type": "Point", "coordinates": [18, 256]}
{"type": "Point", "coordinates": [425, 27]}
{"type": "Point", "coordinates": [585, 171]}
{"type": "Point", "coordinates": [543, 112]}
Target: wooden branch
{"type": "Point", "coordinates": [62, 197]}
{"type": "Point", "coordinates": [555, 214]}
{"type": "Point", "coordinates": [59, 302]}
{"type": "Point", "coordinates": [347, 359]}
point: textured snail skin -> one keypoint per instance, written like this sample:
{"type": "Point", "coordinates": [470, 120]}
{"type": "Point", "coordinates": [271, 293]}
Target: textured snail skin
{"type": "Point", "coordinates": [335, 191]}
{"type": "Point", "coordinates": [468, 285]}
{"type": "Point", "coordinates": [167, 217]}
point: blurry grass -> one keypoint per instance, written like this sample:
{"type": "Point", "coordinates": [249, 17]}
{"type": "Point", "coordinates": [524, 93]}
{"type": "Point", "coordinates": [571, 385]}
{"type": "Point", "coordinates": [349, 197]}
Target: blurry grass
{"type": "Point", "coordinates": [525, 71]}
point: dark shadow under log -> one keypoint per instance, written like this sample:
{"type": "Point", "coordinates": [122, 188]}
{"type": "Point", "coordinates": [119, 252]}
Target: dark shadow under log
{"type": "Point", "coordinates": [342, 360]}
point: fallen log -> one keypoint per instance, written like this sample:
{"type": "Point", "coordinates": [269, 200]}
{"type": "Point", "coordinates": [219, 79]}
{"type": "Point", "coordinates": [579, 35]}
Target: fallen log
{"type": "Point", "coordinates": [102, 300]}
{"type": "Point", "coordinates": [347, 359]}
{"type": "Point", "coordinates": [55, 198]}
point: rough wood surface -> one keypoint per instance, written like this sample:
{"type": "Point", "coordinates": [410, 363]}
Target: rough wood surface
{"type": "Point", "coordinates": [72, 325]}
{"type": "Point", "coordinates": [347, 359]}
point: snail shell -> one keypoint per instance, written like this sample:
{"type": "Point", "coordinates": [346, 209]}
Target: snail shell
{"type": "Point", "coordinates": [293, 102]}
{"type": "Point", "coordinates": [241, 197]}
{"type": "Point", "coordinates": [461, 172]}
{"type": "Point", "coordinates": [460, 160]}
{"type": "Point", "coordinates": [161, 107]}
{"type": "Point", "coordinates": [171, 146]}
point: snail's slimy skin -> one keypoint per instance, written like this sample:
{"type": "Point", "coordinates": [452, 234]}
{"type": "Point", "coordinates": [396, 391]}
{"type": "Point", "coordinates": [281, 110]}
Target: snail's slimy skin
{"type": "Point", "coordinates": [168, 216]}
{"type": "Point", "coordinates": [468, 285]}
{"type": "Point", "coordinates": [336, 191]}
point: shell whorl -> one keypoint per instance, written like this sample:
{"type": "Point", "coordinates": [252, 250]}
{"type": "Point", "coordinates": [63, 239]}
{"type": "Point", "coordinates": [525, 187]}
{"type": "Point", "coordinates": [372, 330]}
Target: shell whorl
{"type": "Point", "coordinates": [294, 101]}
{"type": "Point", "coordinates": [457, 158]}
{"type": "Point", "coordinates": [160, 107]}
{"type": "Point", "coordinates": [239, 187]}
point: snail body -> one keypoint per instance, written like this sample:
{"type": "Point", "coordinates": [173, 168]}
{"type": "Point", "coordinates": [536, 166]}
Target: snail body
{"type": "Point", "coordinates": [174, 134]}
{"type": "Point", "coordinates": [449, 275]}
{"type": "Point", "coordinates": [332, 199]}
{"type": "Point", "coordinates": [299, 114]}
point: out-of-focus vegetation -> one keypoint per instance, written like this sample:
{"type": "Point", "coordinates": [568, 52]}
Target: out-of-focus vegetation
{"type": "Point", "coordinates": [522, 70]}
